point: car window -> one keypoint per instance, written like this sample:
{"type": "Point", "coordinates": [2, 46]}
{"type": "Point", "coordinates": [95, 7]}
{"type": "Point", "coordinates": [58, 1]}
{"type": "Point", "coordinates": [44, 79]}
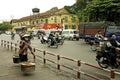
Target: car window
{"type": "Point", "coordinates": [71, 32]}
{"type": "Point", "coordinates": [65, 32]}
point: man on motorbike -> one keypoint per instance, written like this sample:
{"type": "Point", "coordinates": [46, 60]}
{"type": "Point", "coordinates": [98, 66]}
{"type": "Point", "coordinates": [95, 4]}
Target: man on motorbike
{"type": "Point", "coordinates": [43, 38]}
{"type": "Point", "coordinates": [51, 35]}
{"type": "Point", "coordinates": [102, 49]}
{"type": "Point", "coordinates": [98, 36]}
{"type": "Point", "coordinates": [114, 46]}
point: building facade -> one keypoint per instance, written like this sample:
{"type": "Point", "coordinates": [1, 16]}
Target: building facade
{"type": "Point", "coordinates": [60, 17]}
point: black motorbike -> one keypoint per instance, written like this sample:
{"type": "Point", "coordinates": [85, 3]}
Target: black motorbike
{"type": "Point", "coordinates": [52, 42]}
{"type": "Point", "coordinates": [60, 39]}
{"type": "Point", "coordinates": [104, 59]}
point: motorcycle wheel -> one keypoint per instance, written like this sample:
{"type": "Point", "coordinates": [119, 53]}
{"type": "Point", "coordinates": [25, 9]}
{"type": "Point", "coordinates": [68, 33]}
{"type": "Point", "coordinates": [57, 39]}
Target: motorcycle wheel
{"type": "Point", "coordinates": [49, 43]}
{"type": "Point", "coordinates": [56, 45]}
{"type": "Point", "coordinates": [93, 48]}
{"type": "Point", "coordinates": [41, 41]}
{"type": "Point", "coordinates": [103, 62]}
{"type": "Point", "coordinates": [61, 42]}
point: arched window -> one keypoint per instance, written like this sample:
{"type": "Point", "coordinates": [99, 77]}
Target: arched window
{"type": "Point", "coordinates": [46, 21]}
{"type": "Point", "coordinates": [66, 26]}
{"type": "Point", "coordinates": [73, 27]}
{"type": "Point", "coordinates": [66, 19]}
{"type": "Point", "coordinates": [73, 19]}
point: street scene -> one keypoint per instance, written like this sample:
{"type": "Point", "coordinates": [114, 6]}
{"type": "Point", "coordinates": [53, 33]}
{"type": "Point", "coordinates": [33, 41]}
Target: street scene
{"type": "Point", "coordinates": [60, 40]}
{"type": "Point", "coordinates": [77, 50]}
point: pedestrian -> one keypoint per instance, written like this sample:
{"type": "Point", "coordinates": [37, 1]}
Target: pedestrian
{"type": "Point", "coordinates": [24, 46]}
{"type": "Point", "coordinates": [12, 35]}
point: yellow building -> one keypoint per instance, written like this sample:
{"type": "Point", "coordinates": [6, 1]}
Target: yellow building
{"type": "Point", "coordinates": [53, 16]}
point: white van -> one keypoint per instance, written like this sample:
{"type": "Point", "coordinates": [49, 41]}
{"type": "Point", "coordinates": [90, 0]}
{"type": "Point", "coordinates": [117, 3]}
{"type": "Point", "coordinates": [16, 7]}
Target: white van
{"type": "Point", "coordinates": [70, 34]}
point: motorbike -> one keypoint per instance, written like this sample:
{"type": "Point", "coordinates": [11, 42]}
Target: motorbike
{"type": "Point", "coordinates": [43, 39]}
{"type": "Point", "coordinates": [60, 40]}
{"type": "Point", "coordinates": [12, 36]}
{"type": "Point", "coordinates": [105, 61]}
{"type": "Point", "coordinates": [95, 44]}
{"type": "Point", "coordinates": [52, 42]}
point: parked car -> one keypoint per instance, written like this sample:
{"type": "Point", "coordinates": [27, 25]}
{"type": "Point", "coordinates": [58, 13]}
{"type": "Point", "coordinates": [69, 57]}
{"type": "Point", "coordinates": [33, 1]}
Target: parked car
{"type": "Point", "coordinates": [8, 32]}
{"type": "Point", "coordinates": [70, 34]}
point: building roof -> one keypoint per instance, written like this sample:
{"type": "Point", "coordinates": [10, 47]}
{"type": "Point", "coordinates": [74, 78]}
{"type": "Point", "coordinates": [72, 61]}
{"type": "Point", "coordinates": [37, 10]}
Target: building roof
{"type": "Point", "coordinates": [43, 15]}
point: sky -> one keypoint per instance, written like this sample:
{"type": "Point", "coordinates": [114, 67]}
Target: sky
{"type": "Point", "coordinates": [15, 9]}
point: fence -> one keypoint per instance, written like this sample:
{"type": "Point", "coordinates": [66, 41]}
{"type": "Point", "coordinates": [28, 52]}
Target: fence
{"type": "Point", "coordinates": [14, 47]}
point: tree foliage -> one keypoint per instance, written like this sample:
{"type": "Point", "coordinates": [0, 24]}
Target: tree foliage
{"type": "Point", "coordinates": [5, 27]}
{"type": "Point", "coordinates": [96, 10]}
{"type": "Point", "coordinates": [107, 10]}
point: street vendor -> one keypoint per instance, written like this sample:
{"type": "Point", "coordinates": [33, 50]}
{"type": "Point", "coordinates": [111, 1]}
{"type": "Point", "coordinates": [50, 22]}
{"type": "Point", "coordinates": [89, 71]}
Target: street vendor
{"type": "Point", "coordinates": [24, 46]}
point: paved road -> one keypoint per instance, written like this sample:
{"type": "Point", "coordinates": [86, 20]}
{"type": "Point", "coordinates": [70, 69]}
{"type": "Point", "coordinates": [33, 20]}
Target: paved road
{"type": "Point", "coordinates": [11, 71]}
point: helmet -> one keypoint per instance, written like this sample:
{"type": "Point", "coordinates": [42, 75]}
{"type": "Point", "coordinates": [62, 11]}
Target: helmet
{"type": "Point", "coordinates": [26, 35]}
{"type": "Point", "coordinates": [105, 39]}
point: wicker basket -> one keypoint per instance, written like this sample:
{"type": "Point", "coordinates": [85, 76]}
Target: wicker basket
{"type": "Point", "coordinates": [27, 66]}
{"type": "Point", "coordinates": [16, 59]}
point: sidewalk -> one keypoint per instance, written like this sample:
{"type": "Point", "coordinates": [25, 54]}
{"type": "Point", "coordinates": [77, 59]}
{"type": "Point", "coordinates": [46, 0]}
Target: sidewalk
{"type": "Point", "coordinates": [11, 71]}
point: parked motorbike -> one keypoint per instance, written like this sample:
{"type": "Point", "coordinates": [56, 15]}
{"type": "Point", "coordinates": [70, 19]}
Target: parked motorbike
{"type": "Point", "coordinates": [52, 42]}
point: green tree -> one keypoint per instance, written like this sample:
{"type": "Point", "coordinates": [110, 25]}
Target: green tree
{"type": "Point", "coordinates": [5, 27]}
{"type": "Point", "coordinates": [103, 10]}
{"type": "Point", "coordinates": [96, 10]}
{"type": "Point", "coordinates": [78, 8]}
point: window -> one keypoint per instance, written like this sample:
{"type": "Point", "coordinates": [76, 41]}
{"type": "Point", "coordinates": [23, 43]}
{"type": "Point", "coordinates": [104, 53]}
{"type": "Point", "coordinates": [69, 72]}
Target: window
{"type": "Point", "coordinates": [66, 19]}
{"type": "Point", "coordinates": [65, 32]}
{"type": "Point", "coordinates": [73, 19]}
{"type": "Point", "coordinates": [66, 27]}
{"type": "Point", "coordinates": [113, 29]}
{"type": "Point", "coordinates": [73, 27]}
{"type": "Point", "coordinates": [51, 18]}
{"type": "Point", "coordinates": [42, 20]}
{"type": "Point", "coordinates": [55, 20]}
{"type": "Point", "coordinates": [46, 21]}
{"type": "Point", "coordinates": [37, 22]}
{"type": "Point", "coordinates": [33, 23]}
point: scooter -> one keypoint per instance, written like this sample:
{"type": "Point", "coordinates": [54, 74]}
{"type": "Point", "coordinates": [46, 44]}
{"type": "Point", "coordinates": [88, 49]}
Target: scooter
{"type": "Point", "coordinates": [43, 39]}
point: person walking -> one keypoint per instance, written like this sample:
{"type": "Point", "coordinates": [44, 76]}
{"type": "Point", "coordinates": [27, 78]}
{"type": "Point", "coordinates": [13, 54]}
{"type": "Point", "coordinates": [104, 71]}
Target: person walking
{"type": "Point", "coordinates": [24, 46]}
